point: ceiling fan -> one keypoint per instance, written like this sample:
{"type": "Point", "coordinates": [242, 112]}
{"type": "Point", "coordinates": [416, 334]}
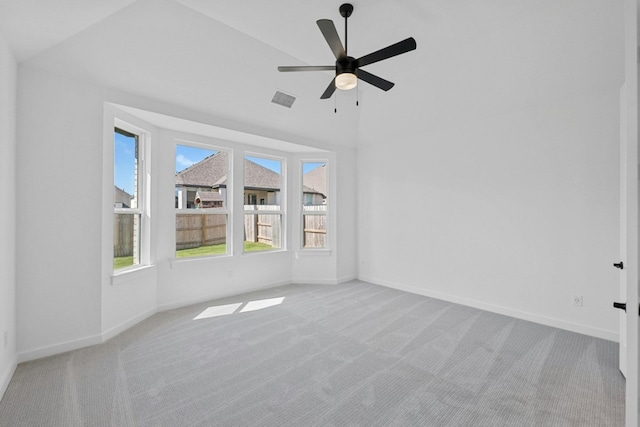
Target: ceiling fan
{"type": "Point", "coordinates": [347, 68]}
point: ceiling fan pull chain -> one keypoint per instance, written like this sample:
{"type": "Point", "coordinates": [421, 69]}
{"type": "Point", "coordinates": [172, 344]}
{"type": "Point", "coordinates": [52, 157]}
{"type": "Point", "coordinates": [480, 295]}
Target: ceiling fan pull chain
{"type": "Point", "coordinates": [357, 95]}
{"type": "Point", "coordinates": [335, 104]}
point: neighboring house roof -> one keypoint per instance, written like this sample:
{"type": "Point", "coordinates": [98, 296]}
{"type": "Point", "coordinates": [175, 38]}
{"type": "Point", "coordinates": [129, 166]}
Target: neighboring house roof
{"type": "Point", "coordinates": [316, 179]}
{"type": "Point", "coordinates": [121, 197]}
{"type": "Point", "coordinates": [206, 172]}
{"type": "Point", "coordinates": [209, 196]}
{"type": "Point", "coordinates": [259, 177]}
{"type": "Point", "coordinates": [212, 172]}
{"type": "Point", "coordinates": [310, 190]}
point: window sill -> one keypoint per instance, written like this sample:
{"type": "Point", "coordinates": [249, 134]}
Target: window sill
{"type": "Point", "coordinates": [132, 274]}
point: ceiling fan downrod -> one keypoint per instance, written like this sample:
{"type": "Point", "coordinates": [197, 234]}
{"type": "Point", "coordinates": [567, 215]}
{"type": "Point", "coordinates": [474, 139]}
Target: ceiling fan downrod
{"type": "Point", "coordinates": [346, 10]}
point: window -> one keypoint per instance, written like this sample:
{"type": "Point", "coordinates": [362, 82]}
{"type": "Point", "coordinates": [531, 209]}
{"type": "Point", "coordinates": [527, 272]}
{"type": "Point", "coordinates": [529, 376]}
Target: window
{"type": "Point", "coordinates": [262, 222]}
{"type": "Point", "coordinates": [314, 204]}
{"type": "Point", "coordinates": [202, 211]}
{"type": "Point", "coordinates": [128, 200]}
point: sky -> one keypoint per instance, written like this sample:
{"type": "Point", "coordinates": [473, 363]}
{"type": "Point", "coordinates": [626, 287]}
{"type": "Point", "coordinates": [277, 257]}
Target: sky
{"type": "Point", "coordinates": [187, 156]}
{"type": "Point", "coordinates": [124, 160]}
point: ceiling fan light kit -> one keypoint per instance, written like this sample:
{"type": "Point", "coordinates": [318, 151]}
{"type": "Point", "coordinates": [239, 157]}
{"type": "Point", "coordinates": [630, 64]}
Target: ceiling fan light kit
{"type": "Point", "coordinates": [346, 81]}
{"type": "Point", "coordinates": [347, 69]}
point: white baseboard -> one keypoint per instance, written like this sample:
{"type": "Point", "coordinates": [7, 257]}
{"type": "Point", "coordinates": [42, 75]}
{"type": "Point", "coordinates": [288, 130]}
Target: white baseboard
{"type": "Point", "coordinates": [345, 279]}
{"type": "Point", "coordinates": [39, 353]}
{"type": "Point", "coordinates": [531, 317]}
{"type": "Point", "coordinates": [5, 379]}
{"type": "Point", "coordinates": [99, 339]}
{"type": "Point", "coordinates": [302, 280]}
{"type": "Point", "coordinates": [107, 335]}
{"type": "Point", "coordinates": [316, 281]}
{"type": "Point", "coordinates": [64, 347]}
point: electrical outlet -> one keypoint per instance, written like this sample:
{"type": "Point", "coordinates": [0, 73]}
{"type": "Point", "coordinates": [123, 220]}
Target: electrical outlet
{"type": "Point", "coordinates": [6, 339]}
{"type": "Point", "coordinates": [577, 300]}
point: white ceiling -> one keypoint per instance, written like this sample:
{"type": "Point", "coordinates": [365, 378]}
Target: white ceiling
{"type": "Point", "coordinates": [220, 57]}
{"type": "Point", "coordinates": [32, 26]}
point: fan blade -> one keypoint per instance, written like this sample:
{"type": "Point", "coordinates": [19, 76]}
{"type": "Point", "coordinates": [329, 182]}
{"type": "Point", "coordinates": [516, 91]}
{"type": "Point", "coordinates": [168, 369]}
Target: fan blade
{"type": "Point", "coordinates": [331, 36]}
{"type": "Point", "coordinates": [308, 68]}
{"type": "Point", "coordinates": [374, 80]}
{"type": "Point", "coordinates": [330, 89]}
{"type": "Point", "coordinates": [395, 49]}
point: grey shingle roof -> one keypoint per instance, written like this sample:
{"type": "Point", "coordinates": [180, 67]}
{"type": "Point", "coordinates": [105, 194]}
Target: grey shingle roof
{"type": "Point", "coordinates": [212, 172]}
{"type": "Point", "coordinates": [209, 196]}
{"type": "Point", "coordinates": [121, 196]}
{"type": "Point", "coordinates": [306, 189]}
{"type": "Point", "coordinates": [259, 177]}
{"type": "Point", "coordinates": [206, 172]}
{"type": "Point", "coordinates": [316, 179]}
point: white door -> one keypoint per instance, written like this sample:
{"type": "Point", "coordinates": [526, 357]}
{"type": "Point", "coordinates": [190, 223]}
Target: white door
{"type": "Point", "coordinates": [623, 228]}
{"type": "Point", "coordinates": [629, 205]}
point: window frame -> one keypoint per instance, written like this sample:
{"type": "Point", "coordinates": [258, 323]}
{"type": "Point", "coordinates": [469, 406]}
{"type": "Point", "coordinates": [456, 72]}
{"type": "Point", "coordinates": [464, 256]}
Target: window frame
{"type": "Point", "coordinates": [226, 210]}
{"type": "Point", "coordinates": [143, 196]}
{"type": "Point", "coordinates": [281, 212]}
{"type": "Point", "coordinates": [325, 213]}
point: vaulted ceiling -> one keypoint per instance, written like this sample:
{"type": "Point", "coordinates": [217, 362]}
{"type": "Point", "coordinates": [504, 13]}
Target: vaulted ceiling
{"type": "Point", "coordinates": [220, 57]}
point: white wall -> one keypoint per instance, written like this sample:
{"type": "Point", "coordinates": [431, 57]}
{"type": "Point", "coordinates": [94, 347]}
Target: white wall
{"type": "Point", "coordinates": [499, 186]}
{"type": "Point", "coordinates": [59, 158]}
{"type": "Point", "coordinates": [348, 217]}
{"type": "Point", "coordinates": [71, 300]}
{"type": "Point", "coordinates": [8, 87]}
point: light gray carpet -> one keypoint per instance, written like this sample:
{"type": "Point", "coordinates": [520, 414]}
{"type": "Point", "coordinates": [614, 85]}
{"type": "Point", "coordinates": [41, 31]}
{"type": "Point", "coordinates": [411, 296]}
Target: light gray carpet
{"type": "Point", "coordinates": [348, 355]}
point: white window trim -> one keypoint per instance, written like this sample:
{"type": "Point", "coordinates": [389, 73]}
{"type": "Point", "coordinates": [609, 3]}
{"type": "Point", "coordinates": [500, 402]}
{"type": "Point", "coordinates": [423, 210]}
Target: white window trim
{"type": "Point", "coordinates": [282, 212]}
{"type": "Point", "coordinates": [302, 250]}
{"type": "Point", "coordinates": [227, 210]}
{"type": "Point", "coordinates": [144, 189]}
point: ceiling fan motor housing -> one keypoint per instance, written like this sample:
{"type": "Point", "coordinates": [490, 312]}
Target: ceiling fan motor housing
{"type": "Point", "coordinates": [346, 65]}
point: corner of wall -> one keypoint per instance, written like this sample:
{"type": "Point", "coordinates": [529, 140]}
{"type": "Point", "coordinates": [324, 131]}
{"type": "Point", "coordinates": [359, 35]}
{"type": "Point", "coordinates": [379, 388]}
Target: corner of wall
{"type": "Point", "coordinates": [8, 105]}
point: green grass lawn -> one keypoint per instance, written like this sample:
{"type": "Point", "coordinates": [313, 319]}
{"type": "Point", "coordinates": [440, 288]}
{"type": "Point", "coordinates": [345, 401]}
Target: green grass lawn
{"type": "Point", "coordinates": [127, 261]}
{"type": "Point", "coordinates": [256, 246]}
{"type": "Point", "coordinates": [202, 251]}
{"type": "Point", "coordinates": [220, 249]}
{"type": "Point", "coordinates": [122, 262]}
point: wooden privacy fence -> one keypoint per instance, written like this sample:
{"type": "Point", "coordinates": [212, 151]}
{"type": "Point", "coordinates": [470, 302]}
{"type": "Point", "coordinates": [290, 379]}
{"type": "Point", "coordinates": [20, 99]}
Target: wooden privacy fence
{"type": "Point", "coordinates": [314, 226]}
{"type": "Point", "coordinates": [198, 229]}
{"type": "Point", "coordinates": [123, 226]}
{"type": "Point", "coordinates": [263, 227]}
{"type": "Point", "coordinates": [195, 230]}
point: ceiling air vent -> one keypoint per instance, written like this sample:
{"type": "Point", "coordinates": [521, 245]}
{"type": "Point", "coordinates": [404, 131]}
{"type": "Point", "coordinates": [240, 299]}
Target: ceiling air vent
{"type": "Point", "coordinates": [283, 99]}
